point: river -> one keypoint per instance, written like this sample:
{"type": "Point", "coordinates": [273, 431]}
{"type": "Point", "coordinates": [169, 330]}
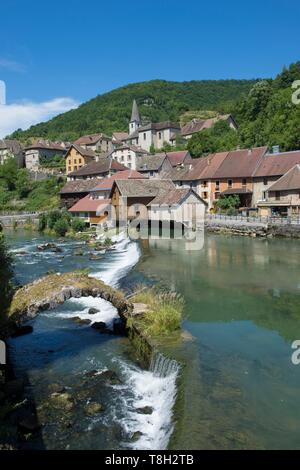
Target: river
{"type": "Point", "coordinates": [239, 387]}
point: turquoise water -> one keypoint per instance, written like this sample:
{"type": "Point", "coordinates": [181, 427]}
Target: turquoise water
{"type": "Point", "coordinates": [239, 388]}
{"type": "Point", "coordinates": [243, 313]}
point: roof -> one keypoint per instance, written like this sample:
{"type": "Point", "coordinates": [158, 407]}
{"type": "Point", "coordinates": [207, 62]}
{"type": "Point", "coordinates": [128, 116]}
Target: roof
{"type": "Point", "coordinates": [240, 163]}
{"type": "Point", "coordinates": [289, 181]}
{"type": "Point", "coordinates": [278, 164]}
{"type": "Point", "coordinates": [78, 186]}
{"type": "Point", "coordinates": [102, 166]}
{"type": "Point", "coordinates": [229, 191]}
{"type": "Point", "coordinates": [46, 145]}
{"type": "Point", "coordinates": [133, 135]}
{"type": "Point", "coordinates": [120, 135]}
{"type": "Point", "coordinates": [107, 183]}
{"type": "Point", "coordinates": [198, 125]}
{"type": "Point", "coordinates": [89, 204]}
{"type": "Point", "coordinates": [135, 115]}
{"type": "Point", "coordinates": [159, 126]}
{"type": "Point", "coordinates": [177, 158]}
{"type": "Point", "coordinates": [150, 163]}
{"type": "Point", "coordinates": [172, 197]}
{"type": "Point", "coordinates": [143, 187]}
{"type": "Point", "coordinates": [134, 148]}
{"type": "Point", "coordinates": [91, 139]}
{"type": "Point", "coordinates": [83, 151]}
{"type": "Point", "coordinates": [13, 146]}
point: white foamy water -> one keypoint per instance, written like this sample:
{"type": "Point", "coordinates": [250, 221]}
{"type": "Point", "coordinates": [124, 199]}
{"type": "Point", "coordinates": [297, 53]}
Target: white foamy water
{"type": "Point", "coordinates": [107, 312]}
{"type": "Point", "coordinates": [149, 389]}
{"type": "Point", "coordinates": [123, 258]}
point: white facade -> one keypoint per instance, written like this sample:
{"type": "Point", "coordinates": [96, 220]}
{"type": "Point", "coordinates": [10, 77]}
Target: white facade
{"type": "Point", "coordinates": [127, 156]}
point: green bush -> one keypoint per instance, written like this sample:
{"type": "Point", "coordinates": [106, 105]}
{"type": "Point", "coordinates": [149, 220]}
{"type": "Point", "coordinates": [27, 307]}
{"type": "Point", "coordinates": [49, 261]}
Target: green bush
{"type": "Point", "coordinates": [42, 222]}
{"type": "Point", "coordinates": [77, 225]}
{"type": "Point", "coordinates": [61, 227]}
{"type": "Point", "coordinates": [52, 218]}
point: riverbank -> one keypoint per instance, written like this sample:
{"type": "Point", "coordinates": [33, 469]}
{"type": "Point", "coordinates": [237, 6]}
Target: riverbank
{"type": "Point", "coordinates": [251, 229]}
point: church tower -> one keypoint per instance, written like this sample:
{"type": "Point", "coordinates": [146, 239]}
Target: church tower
{"type": "Point", "coordinates": [135, 120]}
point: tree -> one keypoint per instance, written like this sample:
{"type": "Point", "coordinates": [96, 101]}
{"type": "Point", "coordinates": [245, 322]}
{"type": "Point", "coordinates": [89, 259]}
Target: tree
{"type": "Point", "coordinates": [61, 227]}
{"type": "Point", "coordinates": [227, 203]}
{"type": "Point", "coordinates": [23, 184]}
{"type": "Point", "coordinates": [8, 173]}
{"type": "Point", "coordinates": [77, 224]}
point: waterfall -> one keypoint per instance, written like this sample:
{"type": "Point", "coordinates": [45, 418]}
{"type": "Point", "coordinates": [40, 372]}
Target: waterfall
{"type": "Point", "coordinates": [162, 366]}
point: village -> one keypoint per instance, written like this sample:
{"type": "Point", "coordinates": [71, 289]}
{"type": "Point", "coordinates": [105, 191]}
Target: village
{"type": "Point", "coordinates": [101, 170]}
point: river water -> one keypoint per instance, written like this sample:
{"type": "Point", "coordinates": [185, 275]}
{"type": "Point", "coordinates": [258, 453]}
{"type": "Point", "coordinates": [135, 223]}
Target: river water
{"type": "Point", "coordinates": [239, 387]}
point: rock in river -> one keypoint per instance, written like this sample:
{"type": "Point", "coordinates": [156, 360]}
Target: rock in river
{"type": "Point", "coordinates": [93, 409]}
{"type": "Point", "coordinates": [100, 325]}
{"type": "Point", "coordinates": [63, 401]}
{"type": "Point", "coordinates": [93, 311]}
{"type": "Point", "coordinates": [146, 410]}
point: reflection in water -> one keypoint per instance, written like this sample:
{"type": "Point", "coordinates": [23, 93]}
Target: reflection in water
{"type": "Point", "coordinates": [243, 311]}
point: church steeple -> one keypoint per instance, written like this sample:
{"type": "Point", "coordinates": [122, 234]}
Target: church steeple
{"type": "Point", "coordinates": [135, 120]}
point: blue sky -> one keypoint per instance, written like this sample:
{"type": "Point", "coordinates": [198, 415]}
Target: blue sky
{"type": "Point", "coordinates": [78, 49]}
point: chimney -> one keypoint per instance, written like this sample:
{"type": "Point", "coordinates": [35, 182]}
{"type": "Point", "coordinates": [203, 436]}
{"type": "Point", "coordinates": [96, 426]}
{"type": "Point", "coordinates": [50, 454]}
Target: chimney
{"type": "Point", "coordinates": [275, 149]}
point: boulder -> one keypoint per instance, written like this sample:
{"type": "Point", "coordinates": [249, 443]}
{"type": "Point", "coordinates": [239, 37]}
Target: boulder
{"type": "Point", "coordinates": [93, 408]}
{"type": "Point", "coordinates": [62, 401]}
{"type": "Point", "coordinates": [110, 377]}
{"type": "Point", "coordinates": [146, 410]}
{"type": "Point", "coordinates": [78, 252]}
{"type": "Point", "coordinates": [93, 311]}
{"type": "Point", "coordinates": [47, 246]}
{"type": "Point", "coordinates": [136, 436]}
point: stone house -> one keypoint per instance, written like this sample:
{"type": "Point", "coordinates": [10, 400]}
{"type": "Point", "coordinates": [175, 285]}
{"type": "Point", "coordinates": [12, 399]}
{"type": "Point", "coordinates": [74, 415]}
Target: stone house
{"type": "Point", "coordinates": [128, 155]}
{"type": "Point", "coordinates": [12, 149]}
{"type": "Point", "coordinates": [77, 157]}
{"type": "Point", "coordinates": [198, 125]}
{"type": "Point", "coordinates": [73, 191]}
{"type": "Point", "coordinates": [42, 150]}
{"type": "Point", "coordinates": [153, 166]}
{"type": "Point", "coordinates": [104, 166]}
{"type": "Point", "coordinates": [98, 143]}
{"type": "Point", "coordinates": [282, 198]}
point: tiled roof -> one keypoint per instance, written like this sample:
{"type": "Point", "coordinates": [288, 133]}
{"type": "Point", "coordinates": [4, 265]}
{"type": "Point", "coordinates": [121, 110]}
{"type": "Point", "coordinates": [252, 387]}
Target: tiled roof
{"type": "Point", "coordinates": [289, 181]}
{"type": "Point", "coordinates": [172, 197]}
{"type": "Point", "coordinates": [91, 139]}
{"type": "Point", "coordinates": [79, 186]}
{"type": "Point", "coordinates": [88, 204]}
{"type": "Point", "coordinates": [13, 146]}
{"type": "Point", "coordinates": [143, 187]}
{"type": "Point", "coordinates": [84, 152]}
{"type": "Point", "coordinates": [46, 145]}
{"type": "Point", "coordinates": [150, 163]}
{"type": "Point", "coordinates": [134, 148]}
{"type": "Point", "coordinates": [120, 135]}
{"type": "Point", "coordinates": [159, 126]}
{"type": "Point", "coordinates": [278, 164]}
{"type": "Point", "coordinates": [240, 163]}
{"type": "Point", "coordinates": [107, 182]}
{"type": "Point", "coordinates": [102, 166]}
{"type": "Point", "coordinates": [177, 158]}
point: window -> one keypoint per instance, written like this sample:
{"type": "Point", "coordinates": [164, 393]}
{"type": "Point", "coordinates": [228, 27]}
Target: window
{"type": "Point", "coordinates": [204, 184]}
{"type": "Point", "coordinates": [217, 195]}
{"type": "Point", "coordinates": [277, 195]}
{"type": "Point", "coordinates": [145, 135]}
{"type": "Point", "coordinates": [75, 168]}
{"type": "Point", "coordinates": [264, 195]}
{"type": "Point", "coordinates": [244, 182]}
{"type": "Point", "coordinates": [217, 185]}
{"type": "Point", "coordinates": [75, 161]}
{"type": "Point", "coordinates": [205, 195]}
{"type": "Point", "coordinates": [79, 161]}
{"type": "Point", "coordinates": [229, 183]}
{"type": "Point", "coordinates": [129, 165]}
{"type": "Point", "coordinates": [265, 181]}
{"type": "Point", "coordinates": [159, 135]}
{"type": "Point", "coordinates": [129, 157]}
{"type": "Point", "coordinates": [151, 173]}
{"type": "Point", "coordinates": [69, 168]}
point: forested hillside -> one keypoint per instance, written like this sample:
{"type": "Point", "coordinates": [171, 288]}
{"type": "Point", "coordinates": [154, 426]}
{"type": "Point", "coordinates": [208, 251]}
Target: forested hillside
{"type": "Point", "coordinates": [266, 116]}
{"type": "Point", "coordinates": [158, 100]}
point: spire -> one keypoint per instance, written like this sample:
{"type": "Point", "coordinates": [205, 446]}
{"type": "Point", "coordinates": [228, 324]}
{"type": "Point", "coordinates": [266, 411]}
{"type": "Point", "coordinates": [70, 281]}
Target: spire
{"type": "Point", "coordinates": [135, 115]}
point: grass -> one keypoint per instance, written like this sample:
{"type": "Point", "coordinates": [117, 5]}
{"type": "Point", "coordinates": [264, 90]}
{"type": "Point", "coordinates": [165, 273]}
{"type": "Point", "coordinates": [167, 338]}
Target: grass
{"type": "Point", "coordinates": [165, 311]}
